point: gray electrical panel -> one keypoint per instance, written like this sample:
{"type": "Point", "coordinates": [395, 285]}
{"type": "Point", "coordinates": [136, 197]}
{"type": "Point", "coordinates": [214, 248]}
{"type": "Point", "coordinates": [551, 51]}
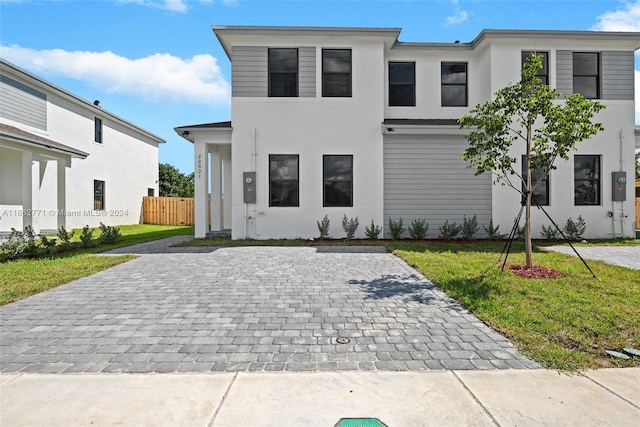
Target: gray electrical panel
{"type": "Point", "coordinates": [249, 185]}
{"type": "Point", "coordinates": [618, 186]}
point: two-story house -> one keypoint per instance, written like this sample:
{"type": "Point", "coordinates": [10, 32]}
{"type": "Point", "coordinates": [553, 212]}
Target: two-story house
{"type": "Point", "coordinates": [351, 121]}
{"type": "Point", "coordinates": [68, 162]}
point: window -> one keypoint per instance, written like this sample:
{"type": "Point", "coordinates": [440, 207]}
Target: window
{"type": "Point", "coordinates": [283, 180]}
{"type": "Point", "coordinates": [97, 130]}
{"type": "Point", "coordinates": [150, 192]}
{"type": "Point", "coordinates": [540, 195]}
{"type": "Point", "coordinates": [98, 195]}
{"type": "Point", "coordinates": [586, 74]}
{"type": "Point", "coordinates": [543, 73]}
{"type": "Point", "coordinates": [454, 84]}
{"type": "Point", "coordinates": [283, 72]}
{"type": "Point", "coordinates": [337, 180]}
{"type": "Point", "coordinates": [336, 72]}
{"type": "Point", "coordinates": [586, 180]}
{"type": "Point", "coordinates": [402, 84]}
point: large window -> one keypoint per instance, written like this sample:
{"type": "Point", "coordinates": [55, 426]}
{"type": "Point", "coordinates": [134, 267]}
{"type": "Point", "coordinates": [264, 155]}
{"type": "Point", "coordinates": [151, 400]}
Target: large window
{"type": "Point", "coordinates": [283, 72]}
{"type": "Point", "coordinates": [337, 180]}
{"type": "Point", "coordinates": [543, 73]}
{"type": "Point", "coordinates": [454, 84]}
{"type": "Point", "coordinates": [97, 130]}
{"type": "Point", "coordinates": [586, 180]}
{"type": "Point", "coordinates": [540, 195]}
{"type": "Point", "coordinates": [283, 180]}
{"type": "Point", "coordinates": [98, 195]}
{"type": "Point", "coordinates": [336, 72]}
{"type": "Point", "coordinates": [402, 84]}
{"type": "Point", "coordinates": [586, 74]}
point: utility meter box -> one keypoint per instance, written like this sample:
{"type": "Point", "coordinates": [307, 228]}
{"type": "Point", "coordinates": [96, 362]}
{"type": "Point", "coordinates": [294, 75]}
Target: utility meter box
{"type": "Point", "coordinates": [619, 186]}
{"type": "Point", "coordinates": [249, 185]}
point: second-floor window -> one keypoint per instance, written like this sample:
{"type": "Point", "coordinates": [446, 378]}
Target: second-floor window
{"type": "Point", "coordinates": [543, 73]}
{"type": "Point", "coordinates": [402, 84]}
{"type": "Point", "coordinates": [586, 74]}
{"type": "Point", "coordinates": [283, 72]}
{"type": "Point", "coordinates": [453, 76]}
{"type": "Point", "coordinates": [97, 130]}
{"type": "Point", "coordinates": [336, 72]}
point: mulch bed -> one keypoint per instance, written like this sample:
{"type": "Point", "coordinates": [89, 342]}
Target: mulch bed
{"type": "Point", "coordinates": [535, 272]}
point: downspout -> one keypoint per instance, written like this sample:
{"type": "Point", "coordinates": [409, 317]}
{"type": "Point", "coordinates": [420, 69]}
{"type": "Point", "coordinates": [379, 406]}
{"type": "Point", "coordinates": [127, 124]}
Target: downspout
{"type": "Point", "coordinates": [247, 218]}
{"type": "Point", "coordinates": [621, 169]}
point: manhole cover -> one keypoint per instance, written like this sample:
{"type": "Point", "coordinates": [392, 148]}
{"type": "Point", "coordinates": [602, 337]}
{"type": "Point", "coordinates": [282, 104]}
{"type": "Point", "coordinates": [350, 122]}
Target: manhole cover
{"type": "Point", "coordinates": [342, 340]}
{"type": "Point", "coordinates": [360, 422]}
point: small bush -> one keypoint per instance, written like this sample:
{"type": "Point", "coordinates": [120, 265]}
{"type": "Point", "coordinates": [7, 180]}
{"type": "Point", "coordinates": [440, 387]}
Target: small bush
{"type": "Point", "coordinates": [15, 246]}
{"type": "Point", "coordinates": [372, 231]}
{"type": "Point", "coordinates": [494, 232]}
{"type": "Point", "coordinates": [108, 234]}
{"type": "Point", "coordinates": [449, 231]}
{"type": "Point", "coordinates": [549, 233]}
{"type": "Point", "coordinates": [575, 229]}
{"type": "Point", "coordinates": [469, 227]}
{"type": "Point", "coordinates": [418, 229]}
{"type": "Point", "coordinates": [64, 237]}
{"type": "Point", "coordinates": [396, 229]}
{"type": "Point", "coordinates": [30, 239]}
{"type": "Point", "coordinates": [350, 226]}
{"type": "Point", "coordinates": [323, 227]}
{"type": "Point", "coordinates": [86, 237]}
{"type": "Point", "coordinates": [47, 244]}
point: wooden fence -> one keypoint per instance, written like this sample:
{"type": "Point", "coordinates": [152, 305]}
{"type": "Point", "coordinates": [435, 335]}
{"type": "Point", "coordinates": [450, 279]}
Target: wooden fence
{"type": "Point", "coordinates": [168, 210]}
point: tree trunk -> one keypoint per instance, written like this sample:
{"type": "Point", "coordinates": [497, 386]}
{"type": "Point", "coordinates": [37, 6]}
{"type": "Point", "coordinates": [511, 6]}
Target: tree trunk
{"type": "Point", "coordinates": [527, 216]}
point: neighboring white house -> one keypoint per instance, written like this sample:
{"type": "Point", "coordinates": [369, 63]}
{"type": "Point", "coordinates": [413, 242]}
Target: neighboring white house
{"type": "Point", "coordinates": [351, 121]}
{"type": "Point", "coordinates": [67, 162]}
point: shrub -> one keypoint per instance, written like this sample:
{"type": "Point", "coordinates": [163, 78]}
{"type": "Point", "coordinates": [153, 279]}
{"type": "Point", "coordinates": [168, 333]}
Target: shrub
{"type": "Point", "coordinates": [469, 227]}
{"type": "Point", "coordinates": [549, 233]}
{"type": "Point", "coordinates": [350, 226]}
{"type": "Point", "coordinates": [449, 231]}
{"type": "Point", "coordinates": [396, 229]}
{"type": "Point", "coordinates": [64, 237]}
{"type": "Point", "coordinates": [418, 228]}
{"type": "Point", "coordinates": [30, 239]}
{"type": "Point", "coordinates": [15, 246]}
{"type": "Point", "coordinates": [372, 231]}
{"type": "Point", "coordinates": [323, 227]}
{"type": "Point", "coordinates": [108, 234]}
{"type": "Point", "coordinates": [494, 232]}
{"type": "Point", "coordinates": [86, 237]}
{"type": "Point", "coordinates": [47, 244]}
{"type": "Point", "coordinates": [575, 229]}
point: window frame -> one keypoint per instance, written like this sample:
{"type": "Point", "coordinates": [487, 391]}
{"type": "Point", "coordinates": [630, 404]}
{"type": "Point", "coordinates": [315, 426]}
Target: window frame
{"type": "Point", "coordinates": [99, 197]}
{"type": "Point", "coordinates": [543, 182]}
{"type": "Point", "coordinates": [545, 62]}
{"type": "Point", "coordinates": [597, 75]}
{"type": "Point", "coordinates": [325, 204]}
{"type": "Point", "coordinates": [97, 130]}
{"type": "Point", "coordinates": [275, 157]}
{"type": "Point", "coordinates": [465, 84]}
{"type": "Point", "coordinates": [412, 85]}
{"type": "Point", "coordinates": [270, 73]}
{"type": "Point", "coordinates": [325, 73]}
{"type": "Point", "coordinates": [598, 181]}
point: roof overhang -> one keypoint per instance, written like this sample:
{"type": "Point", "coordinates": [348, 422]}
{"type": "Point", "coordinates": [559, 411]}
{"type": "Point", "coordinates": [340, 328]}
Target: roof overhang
{"type": "Point", "coordinates": [24, 138]}
{"type": "Point", "coordinates": [220, 131]}
{"type": "Point", "coordinates": [637, 134]}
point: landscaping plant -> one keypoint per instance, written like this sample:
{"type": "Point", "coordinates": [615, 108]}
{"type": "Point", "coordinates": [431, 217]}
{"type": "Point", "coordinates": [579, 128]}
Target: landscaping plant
{"type": "Point", "coordinates": [323, 227]}
{"type": "Point", "coordinates": [372, 231]}
{"type": "Point", "coordinates": [574, 229]}
{"type": "Point", "coordinates": [469, 227]}
{"type": "Point", "coordinates": [449, 231]}
{"type": "Point", "coordinates": [418, 229]}
{"type": "Point", "coordinates": [350, 226]}
{"type": "Point", "coordinates": [86, 237]}
{"type": "Point", "coordinates": [396, 229]}
{"type": "Point", "coordinates": [493, 232]}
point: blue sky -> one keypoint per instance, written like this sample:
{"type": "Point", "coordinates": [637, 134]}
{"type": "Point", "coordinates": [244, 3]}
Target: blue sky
{"type": "Point", "coordinates": [157, 63]}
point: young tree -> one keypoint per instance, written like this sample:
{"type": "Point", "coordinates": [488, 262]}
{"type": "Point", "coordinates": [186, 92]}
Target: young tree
{"type": "Point", "coordinates": [527, 112]}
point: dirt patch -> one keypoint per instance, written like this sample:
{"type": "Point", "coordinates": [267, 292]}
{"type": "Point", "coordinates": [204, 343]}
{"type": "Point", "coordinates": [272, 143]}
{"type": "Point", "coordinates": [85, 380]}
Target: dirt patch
{"type": "Point", "coordinates": [535, 272]}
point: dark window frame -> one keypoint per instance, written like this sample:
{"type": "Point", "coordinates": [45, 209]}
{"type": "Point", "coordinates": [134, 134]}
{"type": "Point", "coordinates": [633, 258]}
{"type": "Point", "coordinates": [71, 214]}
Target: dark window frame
{"type": "Point", "coordinates": [597, 76]}
{"type": "Point", "coordinates": [325, 181]}
{"type": "Point", "coordinates": [97, 130]}
{"type": "Point", "coordinates": [545, 62]}
{"type": "Point", "coordinates": [99, 202]}
{"type": "Point", "coordinates": [589, 182]}
{"type": "Point", "coordinates": [399, 103]}
{"type": "Point", "coordinates": [271, 73]}
{"type": "Point", "coordinates": [544, 183]}
{"type": "Point", "coordinates": [325, 73]}
{"type": "Point", "coordinates": [465, 84]}
{"type": "Point", "coordinates": [272, 181]}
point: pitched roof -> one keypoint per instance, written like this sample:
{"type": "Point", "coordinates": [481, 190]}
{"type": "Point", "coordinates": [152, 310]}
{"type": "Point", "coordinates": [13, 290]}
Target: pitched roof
{"type": "Point", "coordinates": [22, 136]}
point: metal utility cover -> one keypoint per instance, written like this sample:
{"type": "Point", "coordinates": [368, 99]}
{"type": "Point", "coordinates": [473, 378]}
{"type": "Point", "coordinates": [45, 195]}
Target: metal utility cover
{"type": "Point", "coordinates": [360, 422]}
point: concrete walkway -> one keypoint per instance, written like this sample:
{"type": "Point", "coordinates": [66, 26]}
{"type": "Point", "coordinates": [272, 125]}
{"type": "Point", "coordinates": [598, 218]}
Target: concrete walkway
{"type": "Point", "coordinates": [446, 398]}
{"type": "Point", "coordinates": [625, 256]}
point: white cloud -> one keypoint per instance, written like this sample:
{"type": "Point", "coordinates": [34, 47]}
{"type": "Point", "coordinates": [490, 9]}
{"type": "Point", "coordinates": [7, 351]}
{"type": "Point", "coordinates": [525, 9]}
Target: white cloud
{"type": "Point", "coordinates": [625, 19]}
{"type": "Point", "coordinates": [159, 76]}
{"type": "Point", "coordinates": [460, 15]}
{"type": "Point", "coordinates": [173, 5]}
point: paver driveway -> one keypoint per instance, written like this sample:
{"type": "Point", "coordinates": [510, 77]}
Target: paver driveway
{"type": "Point", "coordinates": [249, 309]}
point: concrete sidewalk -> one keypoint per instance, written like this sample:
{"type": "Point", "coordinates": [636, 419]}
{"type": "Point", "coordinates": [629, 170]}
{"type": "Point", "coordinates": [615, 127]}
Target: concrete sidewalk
{"type": "Point", "coordinates": [608, 397]}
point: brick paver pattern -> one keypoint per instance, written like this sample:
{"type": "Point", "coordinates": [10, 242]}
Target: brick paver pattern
{"type": "Point", "coordinates": [249, 309]}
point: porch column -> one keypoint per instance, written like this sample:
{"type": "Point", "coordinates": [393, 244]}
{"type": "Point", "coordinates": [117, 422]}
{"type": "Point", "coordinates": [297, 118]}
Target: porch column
{"type": "Point", "coordinates": [61, 188]}
{"type": "Point", "coordinates": [30, 190]}
{"type": "Point", "coordinates": [216, 191]}
{"type": "Point", "coordinates": [201, 189]}
{"type": "Point", "coordinates": [226, 215]}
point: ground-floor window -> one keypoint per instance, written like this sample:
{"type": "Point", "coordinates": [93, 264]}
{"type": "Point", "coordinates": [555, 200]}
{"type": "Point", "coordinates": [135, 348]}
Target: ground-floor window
{"type": "Point", "coordinates": [337, 180]}
{"type": "Point", "coordinates": [284, 182]}
{"type": "Point", "coordinates": [98, 195]}
{"type": "Point", "coordinates": [586, 177]}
